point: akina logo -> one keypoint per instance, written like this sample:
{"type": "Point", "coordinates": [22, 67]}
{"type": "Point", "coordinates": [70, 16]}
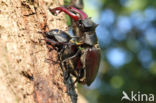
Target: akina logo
{"type": "Point", "coordinates": [137, 97]}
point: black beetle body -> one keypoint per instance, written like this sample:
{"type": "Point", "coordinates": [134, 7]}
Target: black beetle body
{"type": "Point", "coordinates": [91, 60]}
{"type": "Point", "coordinates": [80, 58]}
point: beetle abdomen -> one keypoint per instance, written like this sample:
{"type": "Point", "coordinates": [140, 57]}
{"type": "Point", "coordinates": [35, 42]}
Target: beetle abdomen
{"type": "Point", "coordinates": [92, 64]}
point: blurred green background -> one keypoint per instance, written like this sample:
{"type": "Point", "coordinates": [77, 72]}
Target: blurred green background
{"type": "Point", "coordinates": [127, 37]}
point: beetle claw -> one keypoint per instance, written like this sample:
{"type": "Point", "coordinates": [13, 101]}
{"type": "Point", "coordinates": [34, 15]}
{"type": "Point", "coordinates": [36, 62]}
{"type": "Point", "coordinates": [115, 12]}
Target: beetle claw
{"type": "Point", "coordinates": [66, 75]}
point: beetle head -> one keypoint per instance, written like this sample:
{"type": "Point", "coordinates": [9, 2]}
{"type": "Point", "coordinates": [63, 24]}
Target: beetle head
{"type": "Point", "coordinates": [58, 36]}
{"type": "Point", "coordinates": [87, 25]}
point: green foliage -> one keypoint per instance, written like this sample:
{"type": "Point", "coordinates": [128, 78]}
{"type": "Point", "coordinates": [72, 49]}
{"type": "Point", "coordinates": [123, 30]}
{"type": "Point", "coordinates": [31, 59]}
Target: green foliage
{"type": "Point", "coordinates": [128, 6]}
{"type": "Point", "coordinates": [68, 20]}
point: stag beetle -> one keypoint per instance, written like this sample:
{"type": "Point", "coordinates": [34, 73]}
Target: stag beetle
{"type": "Point", "coordinates": [80, 57]}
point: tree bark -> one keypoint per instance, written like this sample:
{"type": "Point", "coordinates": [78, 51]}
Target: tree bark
{"type": "Point", "coordinates": [25, 77]}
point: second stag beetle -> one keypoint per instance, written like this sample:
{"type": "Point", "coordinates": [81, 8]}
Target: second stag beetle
{"type": "Point", "coordinates": [81, 57]}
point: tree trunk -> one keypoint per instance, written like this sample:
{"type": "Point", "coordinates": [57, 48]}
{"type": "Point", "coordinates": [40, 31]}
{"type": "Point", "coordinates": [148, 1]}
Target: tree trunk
{"type": "Point", "coordinates": [25, 76]}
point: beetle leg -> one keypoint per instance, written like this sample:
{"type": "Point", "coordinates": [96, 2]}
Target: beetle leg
{"type": "Point", "coordinates": [53, 43]}
{"type": "Point", "coordinates": [75, 55]}
{"type": "Point", "coordinates": [62, 50]}
{"type": "Point", "coordinates": [66, 73]}
{"type": "Point", "coordinates": [50, 47]}
{"type": "Point", "coordinates": [79, 76]}
{"type": "Point", "coordinates": [77, 79]}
